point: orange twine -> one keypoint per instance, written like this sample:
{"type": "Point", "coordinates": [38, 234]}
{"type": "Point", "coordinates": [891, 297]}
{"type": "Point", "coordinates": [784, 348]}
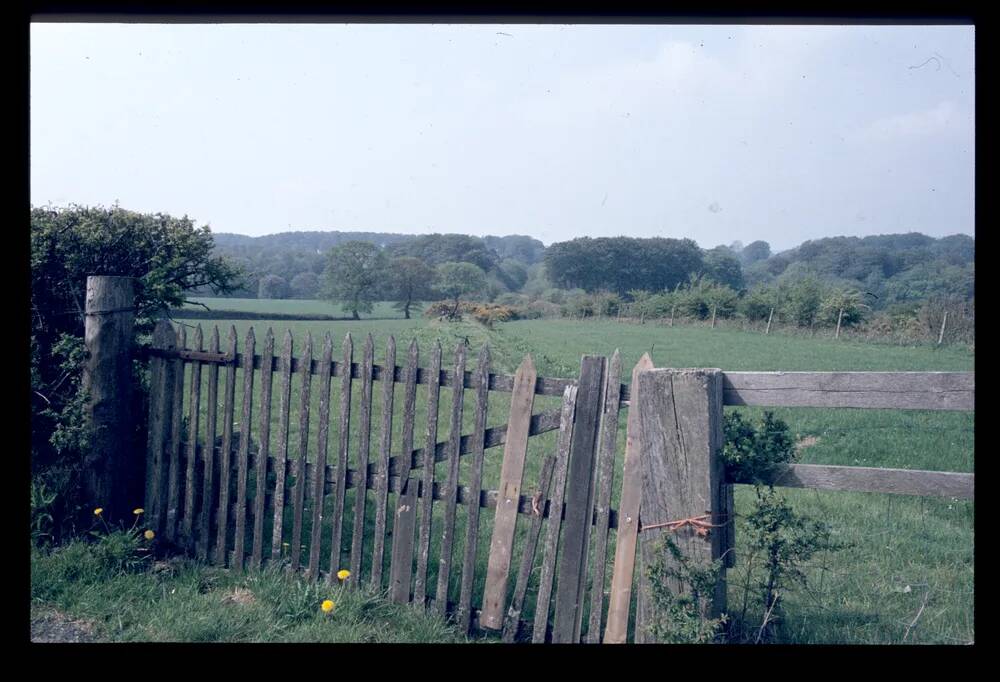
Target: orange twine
{"type": "Point", "coordinates": [699, 523]}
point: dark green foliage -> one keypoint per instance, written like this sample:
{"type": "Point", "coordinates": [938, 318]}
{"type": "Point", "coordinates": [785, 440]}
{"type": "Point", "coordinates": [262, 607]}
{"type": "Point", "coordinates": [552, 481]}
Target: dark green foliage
{"type": "Point", "coordinates": [755, 251]}
{"type": "Point", "coordinates": [455, 280]}
{"type": "Point", "coordinates": [723, 266]}
{"type": "Point", "coordinates": [436, 249]}
{"type": "Point", "coordinates": [168, 257]}
{"type": "Point", "coordinates": [273, 286]}
{"type": "Point", "coordinates": [681, 595]}
{"type": "Point", "coordinates": [620, 264]}
{"type": "Point", "coordinates": [751, 449]}
{"type": "Point", "coordinates": [409, 282]}
{"type": "Point", "coordinates": [355, 276]}
{"type": "Point", "coordinates": [305, 285]}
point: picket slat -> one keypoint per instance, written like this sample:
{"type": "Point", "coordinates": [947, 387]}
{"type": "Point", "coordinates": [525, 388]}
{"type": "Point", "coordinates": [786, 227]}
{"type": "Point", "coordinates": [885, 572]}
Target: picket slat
{"type": "Point", "coordinates": [464, 611]}
{"type": "Point", "coordinates": [342, 453]}
{"type": "Point", "coordinates": [540, 501]}
{"type": "Point", "coordinates": [616, 630]}
{"type": "Point", "coordinates": [264, 435]}
{"type": "Point", "coordinates": [225, 454]}
{"type": "Point", "coordinates": [242, 465]}
{"type": "Point", "coordinates": [281, 456]}
{"type": "Point", "coordinates": [602, 500]}
{"type": "Point", "coordinates": [427, 480]}
{"type": "Point", "coordinates": [160, 402]}
{"type": "Point", "coordinates": [176, 415]}
{"type": "Point", "coordinates": [579, 503]}
{"type": "Point", "coordinates": [301, 480]}
{"type": "Point", "coordinates": [194, 412]}
{"type": "Point", "coordinates": [364, 443]}
{"type": "Point", "coordinates": [566, 420]}
{"type": "Point", "coordinates": [382, 467]}
{"type": "Point", "coordinates": [208, 478]}
{"type": "Point", "coordinates": [511, 473]}
{"type": "Point", "coordinates": [401, 556]}
{"type": "Point", "coordinates": [319, 482]}
{"type": "Point", "coordinates": [451, 484]}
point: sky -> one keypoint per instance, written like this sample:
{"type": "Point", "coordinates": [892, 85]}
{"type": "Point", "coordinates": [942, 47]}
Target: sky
{"type": "Point", "coordinates": [714, 133]}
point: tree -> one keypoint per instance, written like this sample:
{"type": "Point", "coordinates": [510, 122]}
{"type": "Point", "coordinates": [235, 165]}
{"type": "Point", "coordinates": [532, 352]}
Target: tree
{"type": "Point", "coordinates": [168, 257]}
{"type": "Point", "coordinates": [850, 302]}
{"type": "Point", "coordinates": [459, 279]}
{"type": "Point", "coordinates": [803, 301]}
{"type": "Point", "coordinates": [410, 282]}
{"type": "Point", "coordinates": [755, 251]}
{"type": "Point", "coordinates": [305, 285]}
{"type": "Point", "coordinates": [723, 267]}
{"type": "Point", "coordinates": [355, 275]}
{"type": "Point", "coordinates": [272, 286]}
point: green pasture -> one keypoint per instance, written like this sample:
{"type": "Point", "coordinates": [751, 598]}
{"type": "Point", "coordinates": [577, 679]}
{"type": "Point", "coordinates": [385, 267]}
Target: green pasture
{"type": "Point", "coordinates": [904, 555]}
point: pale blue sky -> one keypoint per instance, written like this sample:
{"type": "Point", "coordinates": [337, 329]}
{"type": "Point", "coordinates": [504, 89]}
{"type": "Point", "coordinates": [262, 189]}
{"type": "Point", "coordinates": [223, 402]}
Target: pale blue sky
{"type": "Point", "coordinates": [717, 133]}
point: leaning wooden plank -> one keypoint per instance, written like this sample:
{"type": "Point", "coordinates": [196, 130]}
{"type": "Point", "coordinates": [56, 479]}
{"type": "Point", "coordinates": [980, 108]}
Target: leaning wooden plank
{"type": "Point", "coordinates": [208, 482]}
{"type": "Point", "coordinates": [401, 563]}
{"type": "Point", "coordinates": [242, 465]}
{"type": "Point", "coordinates": [319, 481]}
{"type": "Point", "coordinates": [226, 450]}
{"type": "Point", "coordinates": [427, 481]}
{"type": "Point", "coordinates": [301, 479]}
{"type": "Point", "coordinates": [264, 435]}
{"type": "Point", "coordinates": [176, 413]}
{"type": "Point", "coordinates": [606, 472]}
{"type": "Point", "coordinates": [342, 452]}
{"type": "Point", "coordinates": [194, 412]}
{"type": "Point", "coordinates": [895, 390]}
{"type": "Point", "coordinates": [555, 508]}
{"type": "Point", "coordinates": [364, 443]}
{"type": "Point", "coordinates": [628, 520]}
{"type": "Point", "coordinates": [873, 480]}
{"type": "Point", "coordinates": [540, 501]}
{"type": "Point", "coordinates": [511, 473]}
{"type": "Point", "coordinates": [382, 469]}
{"type": "Point", "coordinates": [579, 502]}
{"type": "Point", "coordinates": [451, 485]}
{"type": "Point", "coordinates": [160, 403]}
{"type": "Point", "coordinates": [281, 456]}
{"type": "Point", "coordinates": [462, 613]}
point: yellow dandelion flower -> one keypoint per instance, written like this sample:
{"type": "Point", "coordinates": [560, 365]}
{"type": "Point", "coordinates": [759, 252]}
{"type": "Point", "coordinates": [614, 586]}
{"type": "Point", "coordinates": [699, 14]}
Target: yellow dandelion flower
{"type": "Point", "coordinates": [149, 535]}
{"type": "Point", "coordinates": [343, 574]}
{"type": "Point", "coordinates": [327, 606]}
{"type": "Point", "coordinates": [98, 511]}
{"type": "Point", "coordinates": [138, 511]}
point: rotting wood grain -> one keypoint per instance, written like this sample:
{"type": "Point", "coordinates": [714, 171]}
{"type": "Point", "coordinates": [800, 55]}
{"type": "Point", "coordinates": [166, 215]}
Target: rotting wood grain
{"type": "Point", "coordinates": [364, 443]}
{"type": "Point", "coordinates": [342, 461]}
{"type": "Point", "coordinates": [208, 482]}
{"type": "Point", "coordinates": [382, 470]}
{"type": "Point", "coordinates": [463, 613]}
{"type": "Point", "coordinates": [284, 405]}
{"type": "Point", "coordinates": [511, 473]}
{"type": "Point", "coordinates": [318, 488]}
{"type": "Point", "coordinates": [401, 552]}
{"type": "Point", "coordinates": [242, 466]}
{"type": "Point", "coordinates": [225, 454]}
{"type": "Point", "coordinates": [451, 485]}
{"type": "Point", "coordinates": [427, 480]}
{"type": "Point", "coordinates": [301, 476]}
{"type": "Point", "coordinates": [628, 520]}
{"type": "Point", "coordinates": [176, 414]}
{"type": "Point", "coordinates": [264, 434]}
{"type": "Point", "coordinates": [194, 412]}
{"type": "Point", "coordinates": [556, 510]}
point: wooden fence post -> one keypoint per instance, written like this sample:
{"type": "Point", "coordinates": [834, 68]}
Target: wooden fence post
{"type": "Point", "coordinates": [769, 316]}
{"type": "Point", "coordinates": [680, 423]}
{"type": "Point", "coordinates": [944, 323]}
{"type": "Point", "coordinates": [572, 570]}
{"type": "Point", "coordinates": [840, 316]}
{"type": "Point", "coordinates": [112, 477]}
{"type": "Point", "coordinates": [161, 389]}
{"type": "Point", "coordinates": [714, 308]}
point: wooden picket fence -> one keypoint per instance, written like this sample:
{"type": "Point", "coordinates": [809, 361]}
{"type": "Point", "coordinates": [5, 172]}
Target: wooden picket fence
{"type": "Point", "coordinates": [212, 494]}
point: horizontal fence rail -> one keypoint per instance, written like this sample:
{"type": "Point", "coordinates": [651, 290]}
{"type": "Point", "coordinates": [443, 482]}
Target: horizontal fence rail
{"type": "Point", "coordinates": [874, 480]}
{"type": "Point", "coordinates": [886, 390]}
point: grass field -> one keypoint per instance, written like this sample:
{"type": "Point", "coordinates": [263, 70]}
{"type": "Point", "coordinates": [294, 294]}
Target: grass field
{"type": "Point", "coordinates": [904, 557]}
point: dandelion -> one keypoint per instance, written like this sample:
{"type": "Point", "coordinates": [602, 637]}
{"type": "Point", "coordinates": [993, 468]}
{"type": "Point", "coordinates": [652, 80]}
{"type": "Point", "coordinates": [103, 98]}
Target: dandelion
{"type": "Point", "coordinates": [138, 511]}
{"type": "Point", "coordinates": [327, 606]}
{"type": "Point", "coordinates": [98, 511]}
{"type": "Point", "coordinates": [149, 535]}
{"type": "Point", "coordinates": [343, 574]}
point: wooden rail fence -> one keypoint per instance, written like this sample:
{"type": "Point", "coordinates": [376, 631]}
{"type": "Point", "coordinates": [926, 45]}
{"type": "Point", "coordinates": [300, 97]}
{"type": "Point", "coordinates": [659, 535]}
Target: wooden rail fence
{"type": "Point", "coordinates": [244, 503]}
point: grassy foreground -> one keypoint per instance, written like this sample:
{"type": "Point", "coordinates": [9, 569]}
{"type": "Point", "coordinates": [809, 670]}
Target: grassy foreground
{"type": "Point", "coordinates": [906, 572]}
{"type": "Point", "coordinates": [181, 601]}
